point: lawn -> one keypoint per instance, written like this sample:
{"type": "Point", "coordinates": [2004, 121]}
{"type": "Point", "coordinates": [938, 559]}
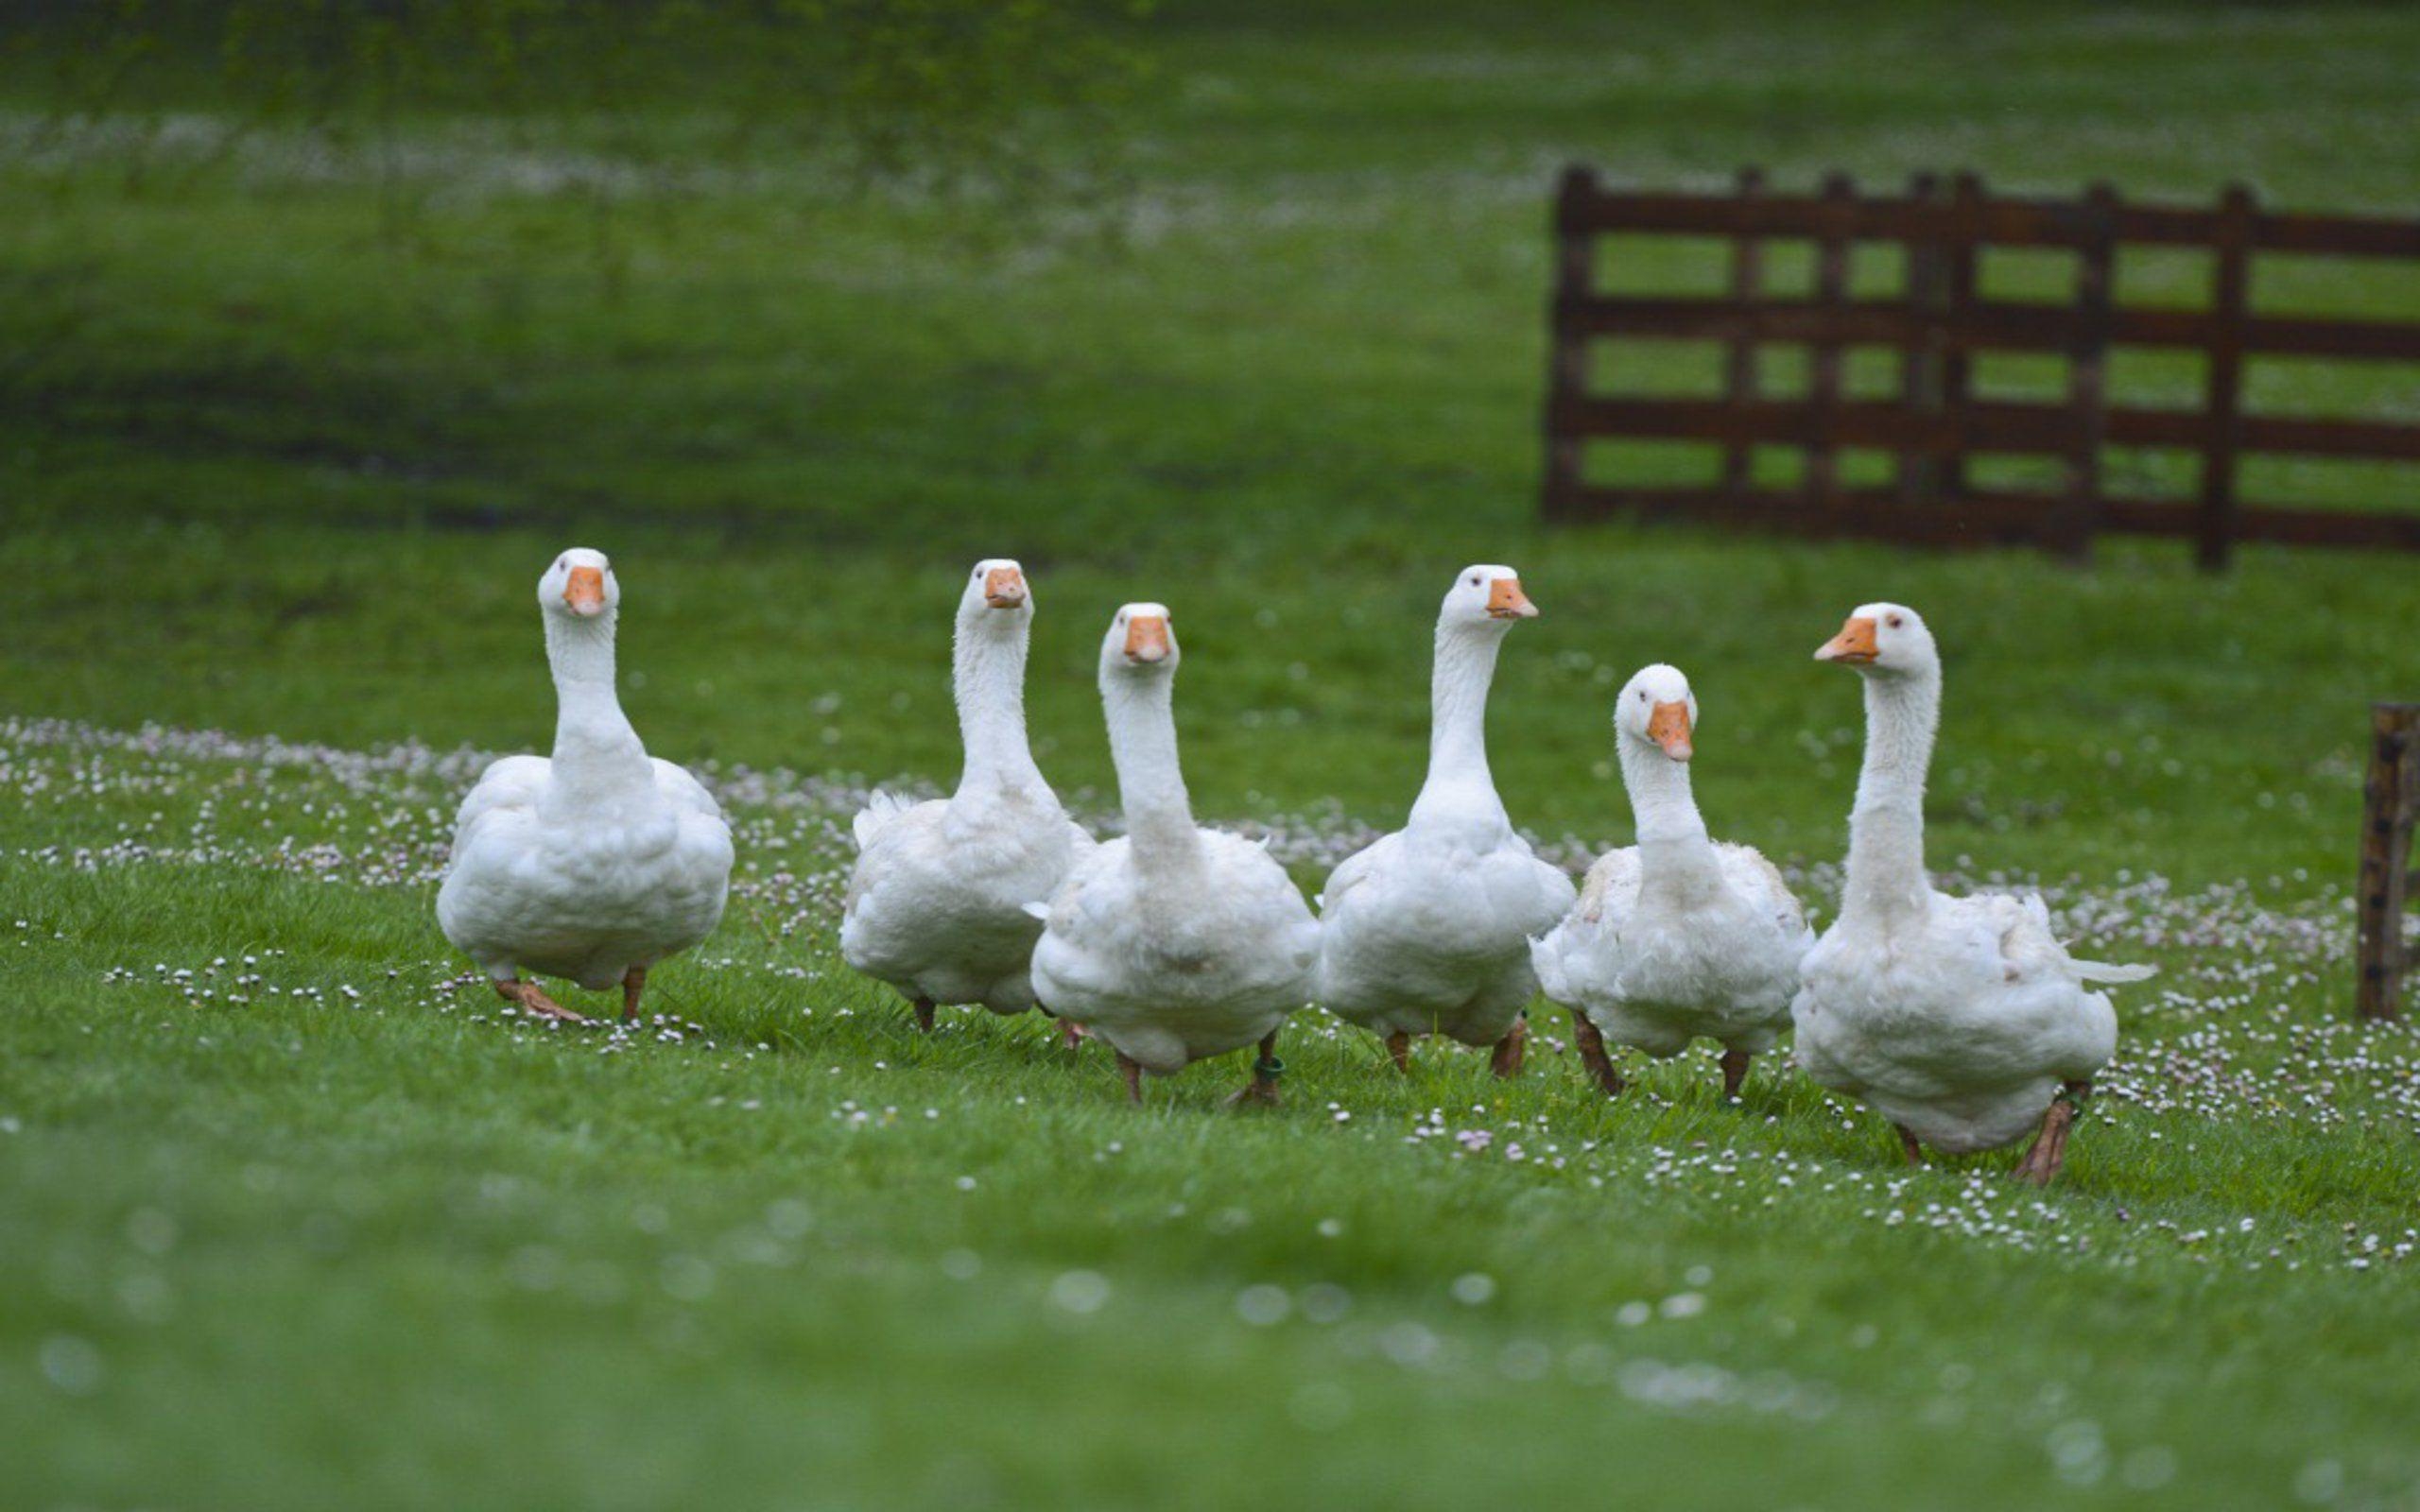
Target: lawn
{"type": "Point", "coordinates": [288, 1218]}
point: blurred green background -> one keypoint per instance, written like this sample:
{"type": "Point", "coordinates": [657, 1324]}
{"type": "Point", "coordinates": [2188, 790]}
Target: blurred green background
{"type": "Point", "coordinates": [1249, 319]}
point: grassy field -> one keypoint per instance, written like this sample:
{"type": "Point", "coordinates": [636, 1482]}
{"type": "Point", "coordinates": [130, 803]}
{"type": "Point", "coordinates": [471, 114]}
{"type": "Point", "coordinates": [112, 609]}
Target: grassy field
{"type": "Point", "coordinates": [290, 1219]}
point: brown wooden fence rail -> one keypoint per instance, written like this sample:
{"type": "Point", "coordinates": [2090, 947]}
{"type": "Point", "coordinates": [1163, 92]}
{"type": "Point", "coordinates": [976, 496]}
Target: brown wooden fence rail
{"type": "Point", "coordinates": [1938, 322]}
{"type": "Point", "coordinates": [2390, 805]}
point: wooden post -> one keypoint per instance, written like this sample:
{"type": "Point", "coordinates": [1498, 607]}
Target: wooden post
{"type": "Point", "coordinates": [2079, 517]}
{"type": "Point", "coordinates": [1575, 278]}
{"type": "Point", "coordinates": [1920, 361]}
{"type": "Point", "coordinates": [1958, 298]}
{"type": "Point", "coordinates": [2389, 799]}
{"type": "Point", "coordinates": [1747, 260]}
{"type": "Point", "coordinates": [2230, 296]}
{"type": "Point", "coordinates": [1823, 381]}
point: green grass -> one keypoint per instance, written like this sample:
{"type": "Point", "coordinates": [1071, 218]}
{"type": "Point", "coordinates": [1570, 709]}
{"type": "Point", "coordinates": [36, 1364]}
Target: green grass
{"type": "Point", "coordinates": [265, 470]}
{"type": "Point", "coordinates": [310, 1222]}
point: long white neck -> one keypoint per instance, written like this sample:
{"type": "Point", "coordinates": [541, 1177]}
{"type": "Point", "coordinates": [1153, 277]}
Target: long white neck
{"type": "Point", "coordinates": [597, 755]}
{"type": "Point", "coordinates": [1675, 853]}
{"type": "Point", "coordinates": [987, 668]}
{"type": "Point", "coordinates": [1460, 787]}
{"type": "Point", "coordinates": [1886, 867]}
{"type": "Point", "coordinates": [1142, 743]}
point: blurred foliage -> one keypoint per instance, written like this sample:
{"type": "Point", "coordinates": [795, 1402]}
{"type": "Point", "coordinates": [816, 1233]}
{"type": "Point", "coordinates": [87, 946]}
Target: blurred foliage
{"type": "Point", "coordinates": [978, 100]}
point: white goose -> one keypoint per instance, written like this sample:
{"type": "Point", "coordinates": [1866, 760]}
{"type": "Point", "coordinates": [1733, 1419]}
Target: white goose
{"type": "Point", "coordinates": [599, 863]}
{"type": "Point", "coordinates": [1961, 1019]}
{"type": "Point", "coordinates": [1676, 936]}
{"type": "Point", "coordinates": [937, 903]}
{"type": "Point", "coordinates": [1173, 942]}
{"type": "Point", "coordinates": [1427, 930]}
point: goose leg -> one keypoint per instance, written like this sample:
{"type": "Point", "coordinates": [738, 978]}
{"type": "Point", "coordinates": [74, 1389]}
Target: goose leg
{"type": "Point", "coordinates": [1072, 1032]}
{"type": "Point", "coordinates": [535, 1002]}
{"type": "Point", "coordinates": [2041, 1164]}
{"type": "Point", "coordinates": [1908, 1145]}
{"type": "Point", "coordinates": [925, 1014]}
{"type": "Point", "coordinates": [1262, 1089]}
{"type": "Point", "coordinates": [1593, 1056]}
{"type": "Point", "coordinates": [1131, 1069]}
{"type": "Point", "coordinates": [1399, 1046]}
{"type": "Point", "coordinates": [1506, 1062]}
{"type": "Point", "coordinates": [1734, 1071]}
{"type": "Point", "coordinates": [633, 985]}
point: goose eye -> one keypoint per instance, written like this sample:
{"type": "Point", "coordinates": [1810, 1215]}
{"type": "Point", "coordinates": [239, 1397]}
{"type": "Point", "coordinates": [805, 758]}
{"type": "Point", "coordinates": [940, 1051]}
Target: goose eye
{"type": "Point", "coordinates": [1894, 621]}
{"type": "Point", "coordinates": [1474, 579]}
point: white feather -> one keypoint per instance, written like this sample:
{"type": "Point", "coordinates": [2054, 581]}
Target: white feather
{"type": "Point", "coordinates": [940, 904]}
{"type": "Point", "coordinates": [882, 810]}
{"type": "Point", "coordinates": [1677, 937]}
{"type": "Point", "coordinates": [597, 860]}
{"type": "Point", "coordinates": [1426, 930]}
{"type": "Point", "coordinates": [1172, 942]}
{"type": "Point", "coordinates": [1958, 1017]}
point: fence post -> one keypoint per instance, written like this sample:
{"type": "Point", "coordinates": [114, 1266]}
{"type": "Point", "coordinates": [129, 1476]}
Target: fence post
{"type": "Point", "coordinates": [1567, 347]}
{"type": "Point", "coordinates": [1958, 300]}
{"type": "Point", "coordinates": [1747, 260]}
{"type": "Point", "coordinates": [1920, 361]}
{"type": "Point", "coordinates": [2079, 516]}
{"type": "Point", "coordinates": [2388, 801]}
{"type": "Point", "coordinates": [2230, 296]}
{"type": "Point", "coordinates": [1824, 377]}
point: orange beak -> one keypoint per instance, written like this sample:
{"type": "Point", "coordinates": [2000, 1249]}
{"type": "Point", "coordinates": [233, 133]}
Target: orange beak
{"type": "Point", "coordinates": [1004, 588]}
{"type": "Point", "coordinates": [1668, 727]}
{"type": "Point", "coordinates": [1147, 639]}
{"type": "Point", "coordinates": [585, 591]}
{"type": "Point", "coordinates": [1505, 601]}
{"type": "Point", "coordinates": [1853, 646]}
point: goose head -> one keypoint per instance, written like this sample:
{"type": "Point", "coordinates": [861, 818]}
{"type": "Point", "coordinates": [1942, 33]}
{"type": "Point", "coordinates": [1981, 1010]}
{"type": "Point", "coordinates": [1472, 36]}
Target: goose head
{"type": "Point", "coordinates": [580, 586]}
{"type": "Point", "coordinates": [1657, 710]}
{"type": "Point", "coordinates": [1139, 644]}
{"type": "Point", "coordinates": [997, 594]}
{"type": "Point", "coordinates": [1889, 640]}
{"type": "Point", "coordinates": [1485, 595]}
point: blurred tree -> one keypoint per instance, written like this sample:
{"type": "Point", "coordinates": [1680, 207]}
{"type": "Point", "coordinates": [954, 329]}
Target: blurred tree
{"type": "Point", "coordinates": [967, 98]}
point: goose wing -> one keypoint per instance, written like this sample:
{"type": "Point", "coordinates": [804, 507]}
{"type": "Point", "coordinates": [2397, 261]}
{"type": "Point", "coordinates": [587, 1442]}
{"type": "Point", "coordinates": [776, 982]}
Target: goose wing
{"type": "Point", "coordinates": [1758, 880]}
{"type": "Point", "coordinates": [2038, 921]}
{"type": "Point", "coordinates": [1611, 885]}
{"type": "Point", "coordinates": [881, 811]}
{"type": "Point", "coordinates": [2028, 950]}
{"type": "Point", "coordinates": [509, 783]}
{"type": "Point", "coordinates": [1355, 869]}
{"type": "Point", "coordinates": [1527, 893]}
{"type": "Point", "coordinates": [682, 790]}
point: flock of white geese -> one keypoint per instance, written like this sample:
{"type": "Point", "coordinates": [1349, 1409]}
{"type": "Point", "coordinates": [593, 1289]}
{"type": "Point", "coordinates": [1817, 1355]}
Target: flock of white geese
{"type": "Point", "coordinates": [1962, 1019]}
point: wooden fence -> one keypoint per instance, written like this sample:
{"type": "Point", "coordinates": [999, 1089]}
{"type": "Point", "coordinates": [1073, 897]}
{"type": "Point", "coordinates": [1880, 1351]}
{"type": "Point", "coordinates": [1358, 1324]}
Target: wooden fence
{"type": "Point", "coordinates": [1939, 322]}
{"type": "Point", "coordinates": [2390, 884]}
